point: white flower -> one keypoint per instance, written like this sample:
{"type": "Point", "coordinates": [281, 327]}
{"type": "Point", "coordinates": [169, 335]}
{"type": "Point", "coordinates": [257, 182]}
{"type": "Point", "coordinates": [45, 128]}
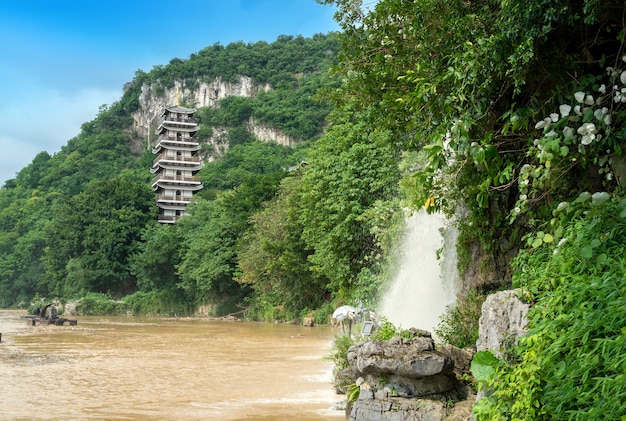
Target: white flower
{"type": "Point", "coordinates": [600, 113]}
{"type": "Point", "coordinates": [554, 117]}
{"type": "Point", "coordinates": [587, 139]}
{"type": "Point", "coordinates": [564, 109]}
{"type": "Point", "coordinates": [523, 197]}
{"type": "Point", "coordinates": [589, 99]}
{"type": "Point", "coordinates": [579, 96]}
{"type": "Point", "coordinates": [540, 124]}
{"type": "Point", "coordinates": [551, 133]}
{"type": "Point", "coordinates": [587, 128]}
{"type": "Point", "coordinates": [600, 197]}
{"type": "Point", "coordinates": [622, 77]}
{"type": "Point", "coordinates": [607, 119]}
{"type": "Point", "coordinates": [602, 89]}
{"type": "Point", "coordinates": [577, 110]}
{"type": "Point", "coordinates": [614, 73]}
{"type": "Point", "coordinates": [568, 132]}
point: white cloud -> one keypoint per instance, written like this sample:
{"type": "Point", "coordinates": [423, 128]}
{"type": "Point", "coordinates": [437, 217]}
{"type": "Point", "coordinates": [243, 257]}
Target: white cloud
{"type": "Point", "coordinates": [44, 120]}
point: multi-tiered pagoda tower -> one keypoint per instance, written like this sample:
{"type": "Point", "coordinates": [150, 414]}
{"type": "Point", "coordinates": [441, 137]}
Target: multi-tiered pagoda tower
{"type": "Point", "coordinates": [176, 163]}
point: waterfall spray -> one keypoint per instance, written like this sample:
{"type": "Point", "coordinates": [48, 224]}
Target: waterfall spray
{"type": "Point", "coordinates": [423, 285]}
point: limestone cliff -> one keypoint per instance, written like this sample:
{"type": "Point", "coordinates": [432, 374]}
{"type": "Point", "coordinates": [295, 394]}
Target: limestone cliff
{"type": "Point", "coordinates": [204, 94]}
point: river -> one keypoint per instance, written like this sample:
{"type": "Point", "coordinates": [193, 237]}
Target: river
{"type": "Point", "coordinates": [129, 368]}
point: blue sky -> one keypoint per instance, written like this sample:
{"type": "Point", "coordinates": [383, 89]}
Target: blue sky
{"type": "Point", "coordinates": [62, 59]}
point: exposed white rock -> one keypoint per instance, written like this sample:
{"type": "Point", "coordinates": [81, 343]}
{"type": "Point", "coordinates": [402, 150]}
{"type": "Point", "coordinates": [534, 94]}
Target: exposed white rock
{"type": "Point", "coordinates": [503, 319]}
{"type": "Point", "coordinates": [153, 98]}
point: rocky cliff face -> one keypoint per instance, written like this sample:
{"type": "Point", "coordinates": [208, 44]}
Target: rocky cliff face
{"type": "Point", "coordinates": [206, 94]}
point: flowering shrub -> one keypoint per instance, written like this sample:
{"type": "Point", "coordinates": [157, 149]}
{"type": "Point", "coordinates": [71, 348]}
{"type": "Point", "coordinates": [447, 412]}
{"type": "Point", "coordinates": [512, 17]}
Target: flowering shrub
{"type": "Point", "coordinates": [582, 133]}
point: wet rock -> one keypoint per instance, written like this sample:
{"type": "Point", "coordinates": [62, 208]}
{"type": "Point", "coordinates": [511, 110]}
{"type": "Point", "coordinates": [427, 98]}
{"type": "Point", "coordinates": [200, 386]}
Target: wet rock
{"type": "Point", "coordinates": [406, 387]}
{"type": "Point", "coordinates": [70, 308]}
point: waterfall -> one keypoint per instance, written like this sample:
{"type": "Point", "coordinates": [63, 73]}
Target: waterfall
{"type": "Point", "coordinates": [423, 285]}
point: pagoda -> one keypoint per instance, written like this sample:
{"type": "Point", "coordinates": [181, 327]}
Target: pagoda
{"type": "Point", "coordinates": [176, 163]}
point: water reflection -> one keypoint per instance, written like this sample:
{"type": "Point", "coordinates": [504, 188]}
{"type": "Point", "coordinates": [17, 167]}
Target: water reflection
{"type": "Point", "coordinates": [121, 368]}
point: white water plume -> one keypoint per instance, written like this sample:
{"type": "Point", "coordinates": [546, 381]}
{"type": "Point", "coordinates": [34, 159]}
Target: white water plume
{"type": "Point", "coordinates": [423, 285]}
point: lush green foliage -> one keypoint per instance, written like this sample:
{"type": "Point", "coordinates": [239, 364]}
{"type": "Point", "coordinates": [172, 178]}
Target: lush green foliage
{"type": "Point", "coordinates": [94, 304]}
{"type": "Point", "coordinates": [247, 177]}
{"type": "Point", "coordinates": [93, 234]}
{"type": "Point", "coordinates": [273, 259]}
{"type": "Point", "coordinates": [459, 323]}
{"type": "Point", "coordinates": [275, 63]}
{"type": "Point", "coordinates": [339, 352]}
{"type": "Point", "coordinates": [572, 363]}
{"type": "Point", "coordinates": [467, 83]}
{"type": "Point", "coordinates": [346, 206]}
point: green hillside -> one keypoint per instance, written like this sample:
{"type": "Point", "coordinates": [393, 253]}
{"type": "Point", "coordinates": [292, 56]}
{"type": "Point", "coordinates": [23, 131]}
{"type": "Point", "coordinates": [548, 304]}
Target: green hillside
{"type": "Point", "coordinates": [78, 221]}
{"type": "Point", "coordinates": [509, 115]}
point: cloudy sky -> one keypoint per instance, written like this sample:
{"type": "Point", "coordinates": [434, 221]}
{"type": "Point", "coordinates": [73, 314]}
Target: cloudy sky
{"type": "Point", "coordinates": [62, 59]}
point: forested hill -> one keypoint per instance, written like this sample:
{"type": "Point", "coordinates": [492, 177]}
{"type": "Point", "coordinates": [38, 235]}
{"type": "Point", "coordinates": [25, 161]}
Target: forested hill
{"type": "Point", "coordinates": [78, 221]}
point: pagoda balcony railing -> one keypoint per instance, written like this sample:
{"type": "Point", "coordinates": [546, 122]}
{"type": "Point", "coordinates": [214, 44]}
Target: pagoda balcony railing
{"type": "Point", "coordinates": [172, 198]}
{"type": "Point", "coordinates": [168, 218]}
{"type": "Point", "coordinates": [176, 139]}
{"type": "Point", "coordinates": [186, 122]}
{"type": "Point", "coordinates": [177, 158]}
{"type": "Point", "coordinates": [189, 120]}
{"type": "Point", "coordinates": [180, 178]}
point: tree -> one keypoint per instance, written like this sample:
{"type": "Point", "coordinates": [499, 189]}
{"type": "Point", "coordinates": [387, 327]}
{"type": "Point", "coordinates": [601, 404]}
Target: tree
{"type": "Point", "coordinates": [273, 258]}
{"type": "Point", "coordinates": [94, 233]}
{"type": "Point", "coordinates": [157, 257]}
{"type": "Point", "coordinates": [350, 169]}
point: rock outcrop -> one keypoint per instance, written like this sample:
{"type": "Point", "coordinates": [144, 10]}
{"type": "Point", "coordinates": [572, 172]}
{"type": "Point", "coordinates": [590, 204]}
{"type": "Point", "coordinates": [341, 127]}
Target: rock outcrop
{"type": "Point", "coordinates": [153, 98]}
{"type": "Point", "coordinates": [406, 379]}
{"type": "Point", "coordinates": [503, 320]}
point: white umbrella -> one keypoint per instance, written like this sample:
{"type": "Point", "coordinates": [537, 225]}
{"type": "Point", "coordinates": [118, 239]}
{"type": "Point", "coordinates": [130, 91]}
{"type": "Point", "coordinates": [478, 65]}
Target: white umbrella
{"type": "Point", "coordinates": [346, 312]}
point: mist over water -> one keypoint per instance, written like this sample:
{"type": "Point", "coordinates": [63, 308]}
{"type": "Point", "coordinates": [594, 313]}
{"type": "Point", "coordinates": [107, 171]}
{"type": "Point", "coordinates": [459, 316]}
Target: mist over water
{"type": "Point", "coordinates": [423, 285]}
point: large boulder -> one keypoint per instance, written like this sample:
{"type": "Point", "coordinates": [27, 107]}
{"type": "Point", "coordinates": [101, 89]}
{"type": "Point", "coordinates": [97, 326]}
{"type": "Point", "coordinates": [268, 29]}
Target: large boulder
{"type": "Point", "coordinates": [411, 358]}
{"type": "Point", "coordinates": [503, 320]}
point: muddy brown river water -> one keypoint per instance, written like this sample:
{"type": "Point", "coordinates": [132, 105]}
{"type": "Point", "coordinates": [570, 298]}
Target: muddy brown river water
{"type": "Point", "coordinates": [127, 368]}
